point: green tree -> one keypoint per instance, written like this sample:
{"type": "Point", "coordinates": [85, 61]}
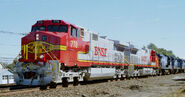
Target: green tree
{"type": "Point", "coordinates": [161, 50]}
{"type": "Point", "coordinates": [152, 46]}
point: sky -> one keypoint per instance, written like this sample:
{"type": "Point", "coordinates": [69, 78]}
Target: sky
{"type": "Point", "coordinates": [140, 22]}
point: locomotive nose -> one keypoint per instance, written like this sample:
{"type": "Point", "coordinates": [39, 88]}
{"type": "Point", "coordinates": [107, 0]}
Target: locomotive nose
{"type": "Point", "coordinates": [46, 36]}
{"type": "Point", "coordinates": [39, 45]}
{"type": "Point", "coordinates": [42, 37]}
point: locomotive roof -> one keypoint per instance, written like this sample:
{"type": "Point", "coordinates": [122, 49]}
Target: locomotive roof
{"type": "Point", "coordinates": [59, 21]}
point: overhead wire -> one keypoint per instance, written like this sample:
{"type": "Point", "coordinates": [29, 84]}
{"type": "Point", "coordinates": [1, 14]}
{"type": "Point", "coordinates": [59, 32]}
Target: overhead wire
{"type": "Point", "coordinates": [8, 32]}
{"type": "Point", "coordinates": [7, 58]}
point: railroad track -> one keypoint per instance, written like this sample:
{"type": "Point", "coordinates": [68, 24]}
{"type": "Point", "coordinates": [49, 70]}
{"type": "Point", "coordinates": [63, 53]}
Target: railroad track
{"type": "Point", "coordinates": [16, 89]}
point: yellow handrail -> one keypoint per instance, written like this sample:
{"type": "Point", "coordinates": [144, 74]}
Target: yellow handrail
{"type": "Point", "coordinates": [39, 47]}
{"type": "Point", "coordinates": [26, 52]}
{"type": "Point", "coordinates": [126, 60]}
{"type": "Point", "coordinates": [52, 59]}
{"type": "Point", "coordinates": [35, 51]}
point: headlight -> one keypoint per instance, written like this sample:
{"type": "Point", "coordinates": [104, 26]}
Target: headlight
{"type": "Point", "coordinates": [37, 36]}
{"type": "Point", "coordinates": [20, 56]}
{"type": "Point", "coordinates": [41, 56]}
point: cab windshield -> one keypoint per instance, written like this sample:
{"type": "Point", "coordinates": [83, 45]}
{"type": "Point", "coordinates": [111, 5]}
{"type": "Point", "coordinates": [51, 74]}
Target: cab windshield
{"type": "Point", "coordinates": [51, 28]}
{"type": "Point", "coordinates": [57, 28]}
{"type": "Point", "coordinates": [38, 28]}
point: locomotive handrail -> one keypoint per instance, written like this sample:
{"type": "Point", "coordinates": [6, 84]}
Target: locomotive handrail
{"type": "Point", "coordinates": [126, 61]}
{"type": "Point", "coordinates": [35, 51]}
{"type": "Point", "coordinates": [52, 59]}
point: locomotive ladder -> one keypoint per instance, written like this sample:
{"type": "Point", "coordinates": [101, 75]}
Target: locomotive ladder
{"type": "Point", "coordinates": [53, 68]}
{"type": "Point", "coordinates": [38, 47]}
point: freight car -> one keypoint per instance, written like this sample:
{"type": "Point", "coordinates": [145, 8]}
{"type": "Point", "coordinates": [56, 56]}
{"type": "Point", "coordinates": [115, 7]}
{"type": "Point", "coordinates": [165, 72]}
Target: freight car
{"type": "Point", "coordinates": [56, 51]}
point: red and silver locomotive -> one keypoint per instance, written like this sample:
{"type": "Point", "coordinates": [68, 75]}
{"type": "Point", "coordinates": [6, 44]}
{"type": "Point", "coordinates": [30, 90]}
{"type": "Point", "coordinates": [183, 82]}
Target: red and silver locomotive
{"type": "Point", "coordinates": [59, 52]}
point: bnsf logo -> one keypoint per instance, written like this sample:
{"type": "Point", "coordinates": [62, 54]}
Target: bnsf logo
{"type": "Point", "coordinates": [100, 51]}
{"type": "Point", "coordinates": [144, 58]}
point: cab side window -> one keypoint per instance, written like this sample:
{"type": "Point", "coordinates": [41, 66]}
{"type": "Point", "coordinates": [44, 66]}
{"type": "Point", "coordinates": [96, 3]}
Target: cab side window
{"type": "Point", "coordinates": [73, 32]}
{"type": "Point", "coordinates": [82, 33]}
{"type": "Point", "coordinates": [78, 33]}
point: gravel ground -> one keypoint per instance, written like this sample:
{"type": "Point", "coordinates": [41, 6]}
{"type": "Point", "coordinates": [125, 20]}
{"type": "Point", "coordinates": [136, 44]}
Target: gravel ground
{"type": "Point", "coordinates": [145, 87]}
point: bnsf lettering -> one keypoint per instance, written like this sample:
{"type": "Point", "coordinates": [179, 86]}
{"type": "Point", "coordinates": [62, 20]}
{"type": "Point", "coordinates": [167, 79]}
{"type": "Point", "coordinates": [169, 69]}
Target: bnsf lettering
{"type": "Point", "coordinates": [100, 51]}
{"type": "Point", "coordinates": [144, 58]}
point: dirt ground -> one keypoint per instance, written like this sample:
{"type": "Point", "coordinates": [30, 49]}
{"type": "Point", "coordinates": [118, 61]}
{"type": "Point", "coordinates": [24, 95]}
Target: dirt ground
{"type": "Point", "coordinates": [158, 86]}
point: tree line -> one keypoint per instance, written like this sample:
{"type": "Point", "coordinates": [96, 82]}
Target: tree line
{"type": "Point", "coordinates": [161, 50]}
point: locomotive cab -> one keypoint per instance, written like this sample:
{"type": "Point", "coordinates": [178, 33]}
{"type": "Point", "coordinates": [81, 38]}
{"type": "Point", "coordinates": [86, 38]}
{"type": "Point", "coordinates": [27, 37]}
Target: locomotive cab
{"type": "Point", "coordinates": [52, 36]}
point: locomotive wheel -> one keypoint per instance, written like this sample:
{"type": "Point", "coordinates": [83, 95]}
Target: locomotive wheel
{"type": "Point", "coordinates": [43, 87]}
{"type": "Point", "coordinates": [122, 78]}
{"type": "Point", "coordinates": [159, 73]}
{"type": "Point", "coordinates": [52, 85]}
{"type": "Point", "coordinates": [169, 72]}
{"type": "Point", "coordinates": [128, 77]}
{"type": "Point", "coordinates": [174, 72]}
{"type": "Point", "coordinates": [117, 77]}
{"type": "Point", "coordinates": [75, 81]}
{"type": "Point", "coordinates": [163, 72]}
{"type": "Point", "coordinates": [65, 82]}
